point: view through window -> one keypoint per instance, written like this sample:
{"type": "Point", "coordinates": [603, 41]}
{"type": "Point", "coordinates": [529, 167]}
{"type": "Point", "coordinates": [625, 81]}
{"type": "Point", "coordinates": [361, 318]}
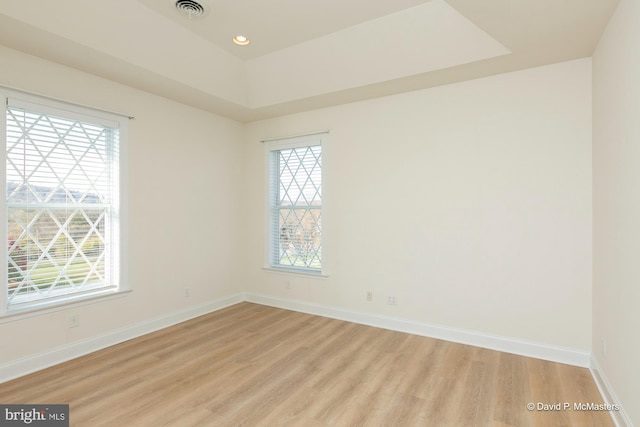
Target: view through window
{"type": "Point", "coordinates": [62, 202]}
{"type": "Point", "coordinates": [296, 203]}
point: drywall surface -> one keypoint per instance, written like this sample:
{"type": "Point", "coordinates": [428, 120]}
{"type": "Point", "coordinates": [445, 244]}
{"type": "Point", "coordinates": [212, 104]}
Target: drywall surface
{"type": "Point", "coordinates": [469, 203]}
{"type": "Point", "coordinates": [616, 201]}
{"type": "Point", "coordinates": [182, 200]}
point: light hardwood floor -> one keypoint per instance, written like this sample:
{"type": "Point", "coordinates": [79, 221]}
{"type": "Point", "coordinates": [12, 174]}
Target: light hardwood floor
{"type": "Point", "coordinates": [250, 365]}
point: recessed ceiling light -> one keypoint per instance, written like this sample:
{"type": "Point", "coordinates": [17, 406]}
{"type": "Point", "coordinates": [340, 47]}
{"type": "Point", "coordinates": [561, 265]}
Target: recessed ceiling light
{"type": "Point", "coordinates": [241, 40]}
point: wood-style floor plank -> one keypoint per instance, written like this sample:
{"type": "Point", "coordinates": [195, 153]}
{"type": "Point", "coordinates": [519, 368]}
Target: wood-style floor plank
{"type": "Point", "coordinates": [251, 365]}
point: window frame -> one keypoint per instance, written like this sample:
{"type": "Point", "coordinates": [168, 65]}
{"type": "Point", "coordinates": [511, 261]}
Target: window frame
{"type": "Point", "coordinates": [277, 144]}
{"type": "Point", "coordinates": [15, 98]}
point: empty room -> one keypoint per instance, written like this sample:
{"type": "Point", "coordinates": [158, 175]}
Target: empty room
{"type": "Point", "coordinates": [329, 213]}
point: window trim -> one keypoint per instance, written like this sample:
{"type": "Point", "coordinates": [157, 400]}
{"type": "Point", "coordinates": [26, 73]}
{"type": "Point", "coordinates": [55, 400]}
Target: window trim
{"type": "Point", "coordinates": [275, 144]}
{"type": "Point", "coordinates": [77, 112]}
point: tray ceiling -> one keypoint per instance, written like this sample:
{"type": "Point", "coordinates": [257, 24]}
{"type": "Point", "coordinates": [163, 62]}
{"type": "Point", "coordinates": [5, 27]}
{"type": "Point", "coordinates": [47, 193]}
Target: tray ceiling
{"type": "Point", "coordinates": [303, 55]}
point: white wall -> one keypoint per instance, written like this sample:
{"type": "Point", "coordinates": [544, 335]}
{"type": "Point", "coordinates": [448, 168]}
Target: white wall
{"type": "Point", "coordinates": [616, 193]}
{"type": "Point", "coordinates": [471, 203]}
{"type": "Point", "coordinates": [183, 204]}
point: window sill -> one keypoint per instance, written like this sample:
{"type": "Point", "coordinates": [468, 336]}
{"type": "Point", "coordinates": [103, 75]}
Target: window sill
{"type": "Point", "coordinates": [293, 272]}
{"type": "Point", "coordinates": [14, 314]}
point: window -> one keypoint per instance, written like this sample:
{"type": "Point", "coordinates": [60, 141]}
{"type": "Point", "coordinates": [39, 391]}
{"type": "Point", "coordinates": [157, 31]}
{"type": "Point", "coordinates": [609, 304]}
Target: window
{"type": "Point", "coordinates": [62, 202]}
{"type": "Point", "coordinates": [295, 203]}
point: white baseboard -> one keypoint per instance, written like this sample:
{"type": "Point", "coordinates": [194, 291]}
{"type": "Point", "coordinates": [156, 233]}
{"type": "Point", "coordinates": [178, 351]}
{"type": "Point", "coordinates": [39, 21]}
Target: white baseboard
{"type": "Point", "coordinates": [67, 352]}
{"type": "Point", "coordinates": [619, 417]}
{"type": "Point", "coordinates": [569, 356]}
{"type": "Point", "coordinates": [64, 353]}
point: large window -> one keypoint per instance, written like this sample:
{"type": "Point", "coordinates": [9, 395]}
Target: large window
{"type": "Point", "coordinates": [295, 203]}
{"type": "Point", "coordinates": [62, 202]}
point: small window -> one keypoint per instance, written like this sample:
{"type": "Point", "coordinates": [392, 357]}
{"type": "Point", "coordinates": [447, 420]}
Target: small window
{"type": "Point", "coordinates": [295, 203]}
{"type": "Point", "coordinates": [62, 202]}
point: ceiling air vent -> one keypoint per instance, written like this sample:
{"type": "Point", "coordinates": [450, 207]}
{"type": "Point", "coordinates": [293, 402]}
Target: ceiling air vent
{"type": "Point", "coordinates": [191, 8]}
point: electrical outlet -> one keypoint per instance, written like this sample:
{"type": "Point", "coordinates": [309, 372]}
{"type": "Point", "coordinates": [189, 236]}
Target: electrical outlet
{"type": "Point", "coordinates": [287, 285]}
{"type": "Point", "coordinates": [73, 320]}
{"type": "Point", "coordinates": [391, 300]}
{"type": "Point", "coordinates": [369, 295]}
{"type": "Point", "coordinates": [604, 347]}
{"type": "Point", "coordinates": [187, 292]}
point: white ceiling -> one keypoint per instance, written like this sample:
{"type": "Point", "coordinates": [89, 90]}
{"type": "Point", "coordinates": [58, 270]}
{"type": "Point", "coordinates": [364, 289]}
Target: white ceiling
{"type": "Point", "coordinates": [276, 24]}
{"type": "Point", "coordinates": [304, 54]}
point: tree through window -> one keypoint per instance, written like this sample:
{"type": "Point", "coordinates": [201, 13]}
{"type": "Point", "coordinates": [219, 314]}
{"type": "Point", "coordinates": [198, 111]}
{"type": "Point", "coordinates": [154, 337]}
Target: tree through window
{"type": "Point", "coordinates": [62, 201]}
{"type": "Point", "coordinates": [296, 203]}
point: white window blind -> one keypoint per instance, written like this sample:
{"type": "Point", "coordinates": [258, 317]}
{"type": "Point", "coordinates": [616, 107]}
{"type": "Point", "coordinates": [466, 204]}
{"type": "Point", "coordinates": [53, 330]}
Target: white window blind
{"type": "Point", "coordinates": [62, 201]}
{"type": "Point", "coordinates": [296, 203]}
